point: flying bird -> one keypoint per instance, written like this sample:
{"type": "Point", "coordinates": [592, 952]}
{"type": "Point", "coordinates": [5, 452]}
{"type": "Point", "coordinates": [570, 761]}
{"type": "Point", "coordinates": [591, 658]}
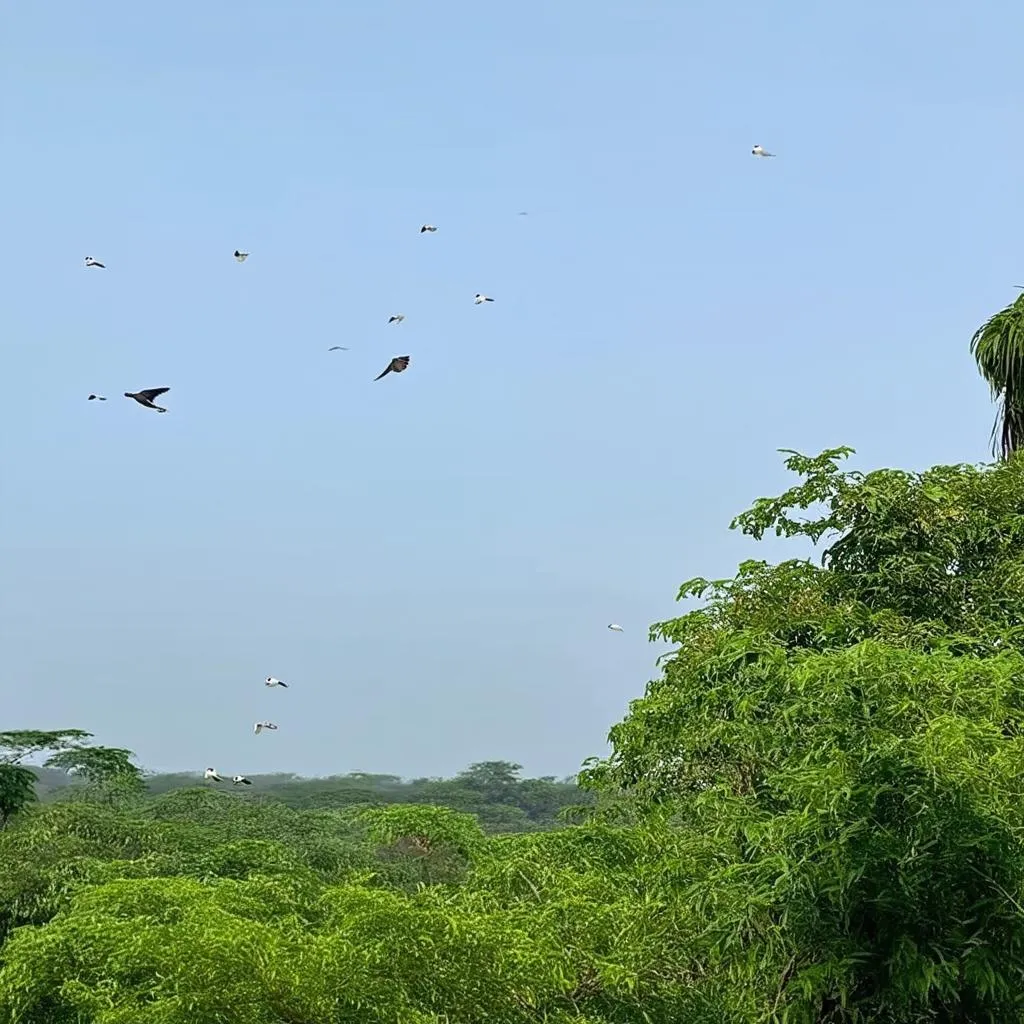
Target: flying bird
{"type": "Point", "coordinates": [271, 681]}
{"type": "Point", "coordinates": [759, 150]}
{"type": "Point", "coordinates": [241, 780]}
{"type": "Point", "coordinates": [96, 398]}
{"type": "Point", "coordinates": [260, 726]}
{"type": "Point", "coordinates": [210, 775]}
{"type": "Point", "coordinates": [397, 365]}
{"type": "Point", "coordinates": [615, 626]}
{"type": "Point", "coordinates": [146, 397]}
{"type": "Point", "coordinates": [90, 262]}
{"type": "Point", "coordinates": [337, 348]}
{"type": "Point", "coordinates": [427, 227]}
{"type": "Point", "coordinates": [481, 298]}
{"type": "Point", "coordinates": [241, 256]}
{"type": "Point", "coordinates": [396, 319]}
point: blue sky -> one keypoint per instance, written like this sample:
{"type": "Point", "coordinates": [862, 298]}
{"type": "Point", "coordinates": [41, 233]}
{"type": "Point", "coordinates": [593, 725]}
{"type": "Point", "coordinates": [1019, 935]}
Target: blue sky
{"type": "Point", "coordinates": [431, 560]}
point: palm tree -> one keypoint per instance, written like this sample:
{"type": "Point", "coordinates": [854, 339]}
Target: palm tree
{"type": "Point", "coordinates": [998, 346]}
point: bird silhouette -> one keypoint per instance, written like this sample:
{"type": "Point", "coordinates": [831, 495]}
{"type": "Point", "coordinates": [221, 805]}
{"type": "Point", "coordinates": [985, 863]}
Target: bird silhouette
{"type": "Point", "coordinates": [397, 365]}
{"type": "Point", "coordinates": [146, 397]}
{"type": "Point", "coordinates": [96, 398]}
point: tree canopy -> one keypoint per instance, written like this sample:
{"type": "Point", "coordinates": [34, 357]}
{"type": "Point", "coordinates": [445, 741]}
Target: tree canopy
{"type": "Point", "coordinates": [814, 814]}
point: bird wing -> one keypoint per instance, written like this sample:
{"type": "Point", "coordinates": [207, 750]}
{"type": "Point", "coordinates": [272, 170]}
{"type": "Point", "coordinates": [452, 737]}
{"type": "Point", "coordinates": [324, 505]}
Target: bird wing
{"type": "Point", "coordinates": [151, 393]}
{"type": "Point", "coordinates": [389, 368]}
{"type": "Point", "coordinates": [258, 728]}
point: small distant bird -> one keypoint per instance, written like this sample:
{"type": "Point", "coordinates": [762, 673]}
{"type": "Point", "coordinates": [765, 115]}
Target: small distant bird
{"type": "Point", "coordinates": [90, 262]}
{"type": "Point", "coordinates": [615, 626]}
{"type": "Point", "coordinates": [397, 365]}
{"type": "Point", "coordinates": [481, 298]}
{"type": "Point", "coordinates": [396, 319]}
{"type": "Point", "coordinates": [146, 397]}
{"type": "Point", "coordinates": [523, 213]}
{"type": "Point", "coordinates": [96, 398]}
{"type": "Point", "coordinates": [260, 726]}
{"type": "Point", "coordinates": [337, 348]}
{"type": "Point", "coordinates": [427, 227]}
{"type": "Point", "coordinates": [241, 780]}
{"type": "Point", "coordinates": [210, 775]}
{"type": "Point", "coordinates": [241, 256]}
{"type": "Point", "coordinates": [759, 150]}
{"type": "Point", "coordinates": [271, 681]}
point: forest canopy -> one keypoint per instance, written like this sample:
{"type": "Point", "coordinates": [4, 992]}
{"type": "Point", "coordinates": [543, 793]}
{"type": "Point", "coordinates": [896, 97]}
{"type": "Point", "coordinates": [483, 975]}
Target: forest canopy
{"type": "Point", "coordinates": [814, 814]}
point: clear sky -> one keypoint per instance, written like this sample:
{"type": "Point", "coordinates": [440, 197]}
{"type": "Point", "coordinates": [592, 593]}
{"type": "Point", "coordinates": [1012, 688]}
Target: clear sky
{"type": "Point", "coordinates": [431, 560]}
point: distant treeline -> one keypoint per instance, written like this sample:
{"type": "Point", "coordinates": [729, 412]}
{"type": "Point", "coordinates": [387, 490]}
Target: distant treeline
{"type": "Point", "coordinates": [492, 790]}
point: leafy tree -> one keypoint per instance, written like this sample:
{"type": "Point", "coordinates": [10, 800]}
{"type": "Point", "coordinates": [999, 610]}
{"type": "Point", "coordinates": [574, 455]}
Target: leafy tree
{"type": "Point", "coordinates": [17, 790]}
{"type": "Point", "coordinates": [17, 783]}
{"type": "Point", "coordinates": [998, 347]}
{"type": "Point", "coordinates": [109, 771]}
{"type": "Point", "coordinates": [846, 743]}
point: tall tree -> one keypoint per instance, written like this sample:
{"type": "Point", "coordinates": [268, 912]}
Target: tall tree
{"type": "Point", "coordinates": [846, 742]}
{"type": "Point", "coordinates": [998, 347]}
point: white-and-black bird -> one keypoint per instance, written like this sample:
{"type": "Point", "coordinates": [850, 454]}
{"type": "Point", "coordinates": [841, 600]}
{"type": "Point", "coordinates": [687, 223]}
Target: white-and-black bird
{"type": "Point", "coordinates": [241, 780]}
{"type": "Point", "coordinates": [337, 348]}
{"type": "Point", "coordinates": [427, 227]}
{"type": "Point", "coordinates": [146, 397]}
{"type": "Point", "coordinates": [90, 262]}
{"type": "Point", "coordinates": [397, 365]}
{"type": "Point", "coordinates": [271, 681]}
{"type": "Point", "coordinates": [481, 298]}
{"type": "Point", "coordinates": [396, 319]}
{"type": "Point", "coordinates": [258, 727]}
{"type": "Point", "coordinates": [759, 150]}
{"type": "Point", "coordinates": [96, 398]}
{"type": "Point", "coordinates": [210, 775]}
{"type": "Point", "coordinates": [615, 626]}
{"type": "Point", "coordinates": [241, 256]}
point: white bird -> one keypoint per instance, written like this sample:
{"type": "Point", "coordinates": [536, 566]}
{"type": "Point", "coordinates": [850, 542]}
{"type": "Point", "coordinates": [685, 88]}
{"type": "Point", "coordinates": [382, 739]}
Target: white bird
{"type": "Point", "coordinates": [759, 150]}
{"type": "Point", "coordinates": [241, 256]}
{"type": "Point", "coordinates": [396, 319]}
{"type": "Point", "coordinates": [615, 626]}
{"type": "Point", "coordinates": [260, 726]}
{"type": "Point", "coordinates": [271, 681]}
{"type": "Point", "coordinates": [427, 227]}
{"type": "Point", "coordinates": [241, 780]}
{"type": "Point", "coordinates": [481, 298]}
{"type": "Point", "coordinates": [210, 775]}
{"type": "Point", "coordinates": [90, 262]}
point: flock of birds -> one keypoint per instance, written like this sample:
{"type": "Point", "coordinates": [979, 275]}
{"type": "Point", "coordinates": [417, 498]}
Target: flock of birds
{"type": "Point", "coordinates": [398, 364]}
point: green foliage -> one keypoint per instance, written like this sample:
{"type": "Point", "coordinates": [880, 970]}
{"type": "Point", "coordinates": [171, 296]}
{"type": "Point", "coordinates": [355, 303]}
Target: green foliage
{"type": "Point", "coordinates": [813, 816]}
{"type": "Point", "coordinates": [17, 790]}
{"type": "Point", "coordinates": [847, 741]}
{"type": "Point", "coordinates": [998, 347]}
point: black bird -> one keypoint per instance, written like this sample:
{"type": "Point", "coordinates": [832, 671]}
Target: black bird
{"type": "Point", "coordinates": [397, 365]}
{"type": "Point", "coordinates": [337, 348]}
{"type": "Point", "coordinates": [146, 397]}
{"type": "Point", "coordinates": [96, 398]}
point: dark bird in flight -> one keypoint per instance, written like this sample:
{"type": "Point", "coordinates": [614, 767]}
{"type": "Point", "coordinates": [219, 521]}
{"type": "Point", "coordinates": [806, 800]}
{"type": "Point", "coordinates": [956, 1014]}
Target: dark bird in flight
{"type": "Point", "coordinates": [90, 262]}
{"type": "Point", "coordinates": [96, 398]}
{"type": "Point", "coordinates": [337, 348]}
{"type": "Point", "coordinates": [146, 397]}
{"type": "Point", "coordinates": [427, 227]}
{"type": "Point", "coordinates": [240, 256]}
{"type": "Point", "coordinates": [397, 365]}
